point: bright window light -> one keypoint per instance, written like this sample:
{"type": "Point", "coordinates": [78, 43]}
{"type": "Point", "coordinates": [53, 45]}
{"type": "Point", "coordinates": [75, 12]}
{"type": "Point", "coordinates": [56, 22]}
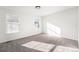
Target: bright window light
{"type": "Point", "coordinates": [12, 27]}
{"type": "Point", "coordinates": [12, 24]}
{"type": "Point", "coordinates": [53, 30]}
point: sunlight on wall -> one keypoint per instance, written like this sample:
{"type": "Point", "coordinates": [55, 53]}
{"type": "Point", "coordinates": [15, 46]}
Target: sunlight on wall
{"type": "Point", "coordinates": [53, 30]}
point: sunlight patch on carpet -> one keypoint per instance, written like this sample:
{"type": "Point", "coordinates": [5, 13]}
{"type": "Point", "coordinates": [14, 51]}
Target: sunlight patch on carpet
{"type": "Point", "coordinates": [65, 49]}
{"type": "Point", "coordinates": [41, 46]}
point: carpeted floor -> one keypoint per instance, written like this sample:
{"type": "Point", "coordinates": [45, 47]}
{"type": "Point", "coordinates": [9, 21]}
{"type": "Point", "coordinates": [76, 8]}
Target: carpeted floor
{"type": "Point", "coordinates": [16, 45]}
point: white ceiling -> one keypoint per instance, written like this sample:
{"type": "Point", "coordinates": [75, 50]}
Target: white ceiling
{"type": "Point", "coordinates": [43, 11]}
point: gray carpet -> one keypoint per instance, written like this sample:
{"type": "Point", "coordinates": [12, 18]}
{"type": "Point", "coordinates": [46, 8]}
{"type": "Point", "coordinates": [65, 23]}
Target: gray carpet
{"type": "Point", "coordinates": [16, 45]}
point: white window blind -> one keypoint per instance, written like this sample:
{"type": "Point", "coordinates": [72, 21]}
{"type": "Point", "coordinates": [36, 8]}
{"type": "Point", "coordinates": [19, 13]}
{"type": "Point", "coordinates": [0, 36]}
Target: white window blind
{"type": "Point", "coordinates": [12, 24]}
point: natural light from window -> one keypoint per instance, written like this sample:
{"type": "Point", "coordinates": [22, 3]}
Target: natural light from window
{"type": "Point", "coordinates": [53, 30]}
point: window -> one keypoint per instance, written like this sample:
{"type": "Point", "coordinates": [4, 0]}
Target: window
{"type": "Point", "coordinates": [36, 20]}
{"type": "Point", "coordinates": [12, 24]}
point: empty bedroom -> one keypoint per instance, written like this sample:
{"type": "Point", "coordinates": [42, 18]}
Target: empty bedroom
{"type": "Point", "coordinates": [39, 29]}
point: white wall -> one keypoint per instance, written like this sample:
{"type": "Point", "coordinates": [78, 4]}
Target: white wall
{"type": "Point", "coordinates": [2, 25]}
{"type": "Point", "coordinates": [66, 20]}
{"type": "Point", "coordinates": [27, 27]}
{"type": "Point", "coordinates": [78, 25]}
